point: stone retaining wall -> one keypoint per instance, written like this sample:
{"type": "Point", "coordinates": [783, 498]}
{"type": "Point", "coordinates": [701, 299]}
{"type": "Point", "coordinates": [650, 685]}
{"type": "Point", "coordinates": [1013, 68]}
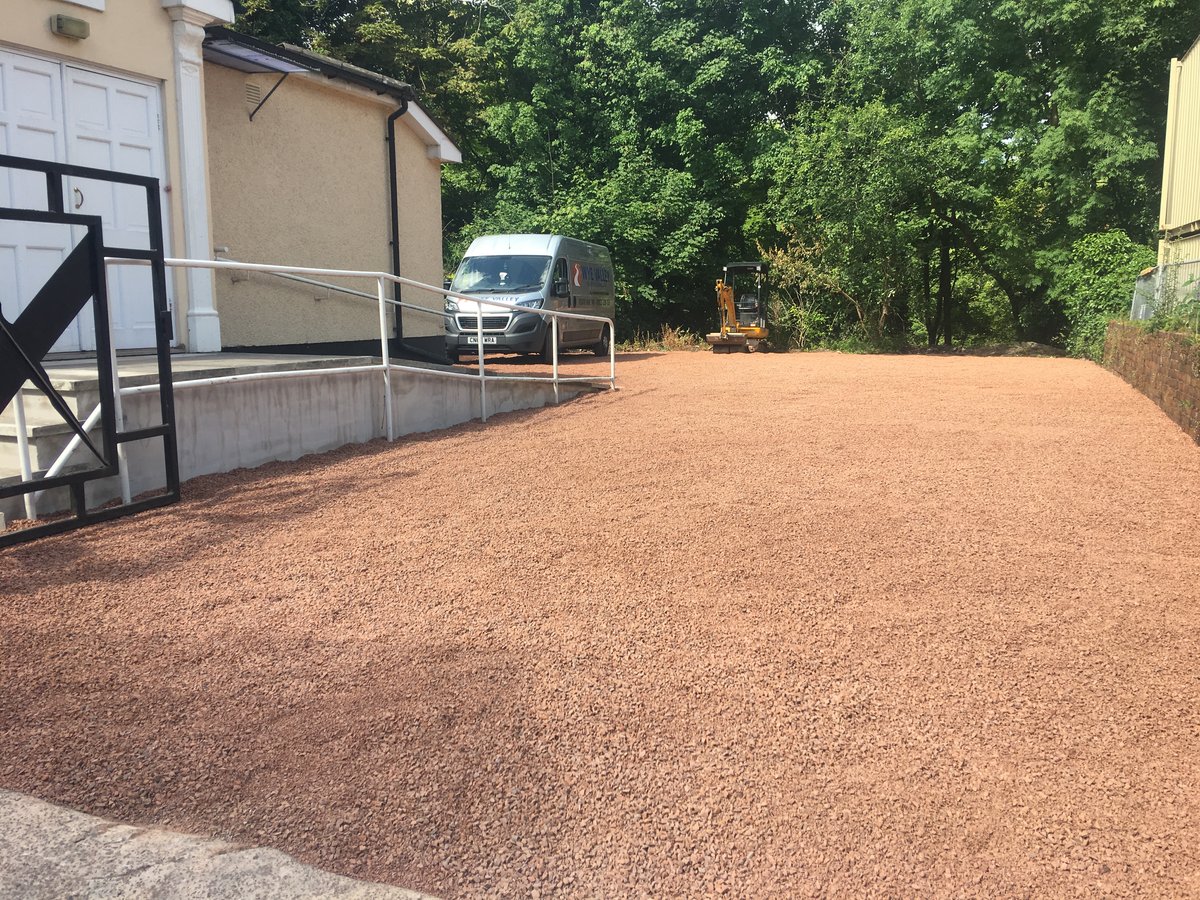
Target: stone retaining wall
{"type": "Point", "coordinates": [1163, 366]}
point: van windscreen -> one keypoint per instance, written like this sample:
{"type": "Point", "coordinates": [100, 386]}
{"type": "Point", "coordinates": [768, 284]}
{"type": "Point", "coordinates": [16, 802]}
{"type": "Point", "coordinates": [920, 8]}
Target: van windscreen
{"type": "Point", "coordinates": [501, 274]}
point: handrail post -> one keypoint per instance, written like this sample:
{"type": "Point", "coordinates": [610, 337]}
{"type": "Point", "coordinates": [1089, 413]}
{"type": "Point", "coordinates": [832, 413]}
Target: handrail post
{"type": "Point", "coordinates": [554, 353]}
{"type": "Point", "coordinates": [479, 351]}
{"type": "Point", "coordinates": [612, 356]}
{"type": "Point", "coordinates": [387, 359]}
{"type": "Point", "coordinates": [23, 452]}
{"type": "Point", "coordinates": [118, 411]}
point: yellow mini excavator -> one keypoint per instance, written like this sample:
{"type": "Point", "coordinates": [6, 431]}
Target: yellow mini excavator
{"type": "Point", "coordinates": [742, 302]}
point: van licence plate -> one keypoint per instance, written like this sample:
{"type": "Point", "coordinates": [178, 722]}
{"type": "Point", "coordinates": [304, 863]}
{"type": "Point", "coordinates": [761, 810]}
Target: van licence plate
{"type": "Point", "coordinates": [487, 339]}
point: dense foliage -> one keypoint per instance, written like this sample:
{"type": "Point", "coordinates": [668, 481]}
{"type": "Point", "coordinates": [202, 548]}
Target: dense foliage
{"type": "Point", "coordinates": [1093, 287]}
{"type": "Point", "coordinates": [916, 170]}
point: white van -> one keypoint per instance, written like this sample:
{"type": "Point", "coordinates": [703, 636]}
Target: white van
{"type": "Point", "coordinates": [539, 271]}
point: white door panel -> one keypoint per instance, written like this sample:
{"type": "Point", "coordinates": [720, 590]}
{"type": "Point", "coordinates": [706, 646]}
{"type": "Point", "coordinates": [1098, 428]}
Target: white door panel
{"type": "Point", "coordinates": [53, 111]}
{"type": "Point", "coordinates": [112, 123]}
{"type": "Point", "coordinates": [31, 124]}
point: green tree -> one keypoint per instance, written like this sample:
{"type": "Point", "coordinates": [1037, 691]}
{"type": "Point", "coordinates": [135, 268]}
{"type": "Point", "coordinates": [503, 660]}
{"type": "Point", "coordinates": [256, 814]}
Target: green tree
{"type": "Point", "coordinates": [909, 162]}
{"type": "Point", "coordinates": [1096, 285]}
{"type": "Point", "coordinates": [1043, 118]}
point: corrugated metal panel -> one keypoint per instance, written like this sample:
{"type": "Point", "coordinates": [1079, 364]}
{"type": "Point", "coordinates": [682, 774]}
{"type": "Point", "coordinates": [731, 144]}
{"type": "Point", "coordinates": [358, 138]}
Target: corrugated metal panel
{"type": "Point", "coordinates": [1181, 169]}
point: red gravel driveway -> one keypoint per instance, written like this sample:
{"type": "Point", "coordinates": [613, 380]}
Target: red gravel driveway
{"type": "Point", "coordinates": [767, 625]}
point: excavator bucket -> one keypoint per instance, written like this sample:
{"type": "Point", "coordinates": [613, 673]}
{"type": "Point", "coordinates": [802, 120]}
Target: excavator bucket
{"type": "Point", "coordinates": [730, 342]}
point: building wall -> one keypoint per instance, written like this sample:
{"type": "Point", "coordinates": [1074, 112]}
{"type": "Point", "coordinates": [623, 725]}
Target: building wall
{"type": "Point", "coordinates": [130, 37]}
{"type": "Point", "coordinates": [1181, 162]}
{"type": "Point", "coordinates": [305, 183]}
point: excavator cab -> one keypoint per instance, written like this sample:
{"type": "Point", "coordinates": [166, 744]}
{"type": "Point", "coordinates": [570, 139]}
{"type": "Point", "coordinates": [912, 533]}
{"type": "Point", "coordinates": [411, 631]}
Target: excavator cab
{"type": "Point", "coordinates": [742, 303]}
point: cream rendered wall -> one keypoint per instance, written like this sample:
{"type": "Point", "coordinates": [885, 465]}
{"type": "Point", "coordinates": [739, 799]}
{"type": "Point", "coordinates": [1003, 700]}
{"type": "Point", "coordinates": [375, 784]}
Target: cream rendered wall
{"type": "Point", "coordinates": [301, 185]}
{"type": "Point", "coordinates": [131, 37]}
{"type": "Point", "coordinates": [306, 183]}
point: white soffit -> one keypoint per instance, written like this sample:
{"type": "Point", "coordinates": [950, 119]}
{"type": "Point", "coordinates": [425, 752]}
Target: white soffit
{"type": "Point", "coordinates": [246, 59]}
{"type": "Point", "coordinates": [437, 143]}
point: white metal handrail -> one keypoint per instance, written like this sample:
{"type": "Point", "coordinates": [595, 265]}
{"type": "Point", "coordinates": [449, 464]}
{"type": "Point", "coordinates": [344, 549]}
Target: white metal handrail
{"type": "Point", "coordinates": [383, 299]}
{"type": "Point", "coordinates": [386, 366]}
{"type": "Point", "coordinates": [381, 278]}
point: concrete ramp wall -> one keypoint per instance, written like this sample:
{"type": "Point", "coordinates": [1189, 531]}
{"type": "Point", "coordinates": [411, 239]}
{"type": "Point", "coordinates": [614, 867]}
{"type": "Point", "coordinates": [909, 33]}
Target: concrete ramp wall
{"type": "Point", "coordinates": [248, 423]}
{"type": "Point", "coordinates": [244, 424]}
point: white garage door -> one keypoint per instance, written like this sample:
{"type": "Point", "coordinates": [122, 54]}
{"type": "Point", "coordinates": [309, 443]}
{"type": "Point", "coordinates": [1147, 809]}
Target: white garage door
{"type": "Point", "coordinates": [53, 111]}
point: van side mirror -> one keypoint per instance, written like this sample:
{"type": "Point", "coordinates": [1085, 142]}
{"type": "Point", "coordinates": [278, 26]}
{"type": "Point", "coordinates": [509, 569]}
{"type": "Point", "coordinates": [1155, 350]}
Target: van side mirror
{"type": "Point", "coordinates": [560, 289]}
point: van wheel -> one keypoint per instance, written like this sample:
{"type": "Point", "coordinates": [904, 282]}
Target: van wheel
{"type": "Point", "coordinates": [453, 356]}
{"type": "Point", "coordinates": [546, 354]}
{"type": "Point", "coordinates": [601, 347]}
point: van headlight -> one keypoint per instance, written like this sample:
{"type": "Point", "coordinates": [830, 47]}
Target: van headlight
{"type": "Point", "coordinates": [535, 303]}
{"type": "Point", "coordinates": [451, 305]}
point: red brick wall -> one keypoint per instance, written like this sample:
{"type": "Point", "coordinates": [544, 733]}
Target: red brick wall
{"type": "Point", "coordinates": [1163, 366]}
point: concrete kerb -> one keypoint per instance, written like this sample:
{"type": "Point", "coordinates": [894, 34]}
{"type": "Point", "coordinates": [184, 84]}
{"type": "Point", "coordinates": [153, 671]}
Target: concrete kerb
{"type": "Point", "coordinates": [49, 851]}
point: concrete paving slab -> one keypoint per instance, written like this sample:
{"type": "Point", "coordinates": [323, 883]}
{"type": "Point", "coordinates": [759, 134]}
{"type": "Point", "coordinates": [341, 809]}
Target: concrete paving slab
{"type": "Point", "coordinates": [49, 851]}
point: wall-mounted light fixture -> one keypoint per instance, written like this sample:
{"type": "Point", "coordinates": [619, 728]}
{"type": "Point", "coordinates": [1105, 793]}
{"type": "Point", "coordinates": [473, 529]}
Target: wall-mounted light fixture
{"type": "Point", "coordinates": [70, 27]}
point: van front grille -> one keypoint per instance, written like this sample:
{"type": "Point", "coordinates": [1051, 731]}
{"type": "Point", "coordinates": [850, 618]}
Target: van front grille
{"type": "Point", "coordinates": [490, 323]}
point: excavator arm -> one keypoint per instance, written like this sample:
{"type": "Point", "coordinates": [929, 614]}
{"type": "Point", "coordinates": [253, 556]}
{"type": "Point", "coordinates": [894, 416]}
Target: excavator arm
{"type": "Point", "coordinates": [726, 307]}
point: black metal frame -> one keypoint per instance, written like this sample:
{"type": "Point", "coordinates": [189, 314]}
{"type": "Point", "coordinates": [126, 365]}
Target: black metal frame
{"type": "Point", "coordinates": [761, 286]}
{"type": "Point", "coordinates": [96, 251]}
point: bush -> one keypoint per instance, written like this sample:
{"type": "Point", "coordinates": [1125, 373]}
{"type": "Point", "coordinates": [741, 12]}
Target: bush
{"type": "Point", "coordinates": [1096, 286]}
{"type": "Point", "coordinates": [668, 339]}
{"type": "Point", "coordinates": [792, 325]}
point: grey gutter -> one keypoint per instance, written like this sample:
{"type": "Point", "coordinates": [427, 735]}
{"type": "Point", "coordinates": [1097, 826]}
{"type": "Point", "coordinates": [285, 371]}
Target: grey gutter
{"type": "Point", "coordinates": [316, 62]}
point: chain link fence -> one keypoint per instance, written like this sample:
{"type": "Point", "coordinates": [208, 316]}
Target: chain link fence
{"type": "Point", "coordinates": [1169, 295]}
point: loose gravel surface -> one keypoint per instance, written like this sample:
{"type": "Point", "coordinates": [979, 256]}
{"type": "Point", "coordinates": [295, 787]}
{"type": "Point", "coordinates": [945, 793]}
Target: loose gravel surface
{"type": "Point", "coordinates": [757, 625]}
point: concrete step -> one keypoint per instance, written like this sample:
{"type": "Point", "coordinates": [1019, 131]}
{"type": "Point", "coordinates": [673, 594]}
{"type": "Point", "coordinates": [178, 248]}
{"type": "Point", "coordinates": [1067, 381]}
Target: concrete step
{"type": "Point", "coordinates": [79, 401]}
{"type": "Point", "coordinates": [44, 449]}
{"type": "Point", "coordinates": [78, 381]}
{"type": "Point", "coordinates": [227, 426]}
{"type": "Point", "coordinates": [48, 434]}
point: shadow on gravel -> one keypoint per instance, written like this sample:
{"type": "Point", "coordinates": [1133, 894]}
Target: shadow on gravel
{"type": "Point", "coordinates": [1025, 348]}
{"type": "Point", "coordinates": [357, 754]}
{"type": "Point", "coordinates": [569, 361]}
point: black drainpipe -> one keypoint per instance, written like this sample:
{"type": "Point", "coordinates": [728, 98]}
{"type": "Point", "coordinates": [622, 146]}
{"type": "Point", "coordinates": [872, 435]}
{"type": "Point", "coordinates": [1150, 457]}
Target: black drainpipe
{"type": "Point", "coordinates": [394, 195]}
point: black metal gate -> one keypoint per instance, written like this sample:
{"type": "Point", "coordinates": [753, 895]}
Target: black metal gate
{"type": "Point", "coordinates": [25, 341]}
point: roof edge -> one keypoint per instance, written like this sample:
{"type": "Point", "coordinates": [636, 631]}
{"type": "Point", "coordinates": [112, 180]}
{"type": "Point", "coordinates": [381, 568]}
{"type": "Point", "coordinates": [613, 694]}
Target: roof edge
{"type": "Point", "coordinates": [438, 145]}
{"type": "Point", "coordinates": [1195, 48]}
{"type": "Point", "coordinates": [316, 62]}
